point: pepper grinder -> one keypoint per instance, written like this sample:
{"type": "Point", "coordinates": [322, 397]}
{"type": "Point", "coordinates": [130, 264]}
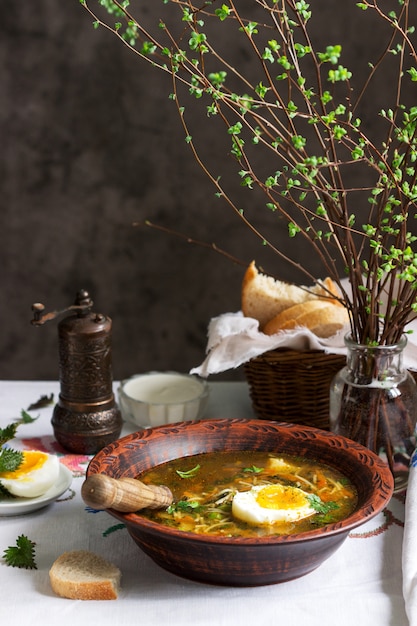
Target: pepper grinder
{"type": "Point", "coordinates": [86, 417]}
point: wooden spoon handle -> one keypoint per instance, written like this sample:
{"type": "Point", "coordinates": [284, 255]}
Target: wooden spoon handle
{"type": "Point", "coordinates": [126, 495]}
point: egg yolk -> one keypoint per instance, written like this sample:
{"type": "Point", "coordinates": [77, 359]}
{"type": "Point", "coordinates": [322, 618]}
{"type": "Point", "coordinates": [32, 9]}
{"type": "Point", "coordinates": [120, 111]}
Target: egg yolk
{"type": "Point", "coordinates": [280, 497]}
{"type": "Point", "coordinates": [32, 460]}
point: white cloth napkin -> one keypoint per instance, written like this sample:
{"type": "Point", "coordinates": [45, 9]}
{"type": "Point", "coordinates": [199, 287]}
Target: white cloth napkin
{"type": "Point", "coordinates": [234, 339]}
{"type": "Point", "coordinates": [409, 554]}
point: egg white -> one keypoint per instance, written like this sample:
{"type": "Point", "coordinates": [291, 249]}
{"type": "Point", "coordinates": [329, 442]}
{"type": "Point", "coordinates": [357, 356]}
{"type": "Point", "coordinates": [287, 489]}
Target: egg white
{"type": "Point", "coordinates": [276, 464]}
{"type": "Point", "coordinates": [270, 504]}
{"type": "Point", "coordinates": [36, 474]}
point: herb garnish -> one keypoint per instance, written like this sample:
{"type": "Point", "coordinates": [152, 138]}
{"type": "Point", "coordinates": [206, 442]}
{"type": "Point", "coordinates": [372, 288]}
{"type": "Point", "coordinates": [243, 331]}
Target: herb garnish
{"type": "Point", "coordinates": [10, 460]}
{"type": "Point", "coordinates": [186, 506]}
{"type": "Point", "coordinates": [321, 507]}
{"type": "Point", "coordinates": [190, 473]}
{"type": "Point", "coordinates": [253, 469]}
{"type": "Point", "coordinates": [22, 554]}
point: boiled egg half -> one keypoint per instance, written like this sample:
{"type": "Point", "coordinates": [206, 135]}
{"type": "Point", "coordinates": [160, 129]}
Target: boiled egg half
{"type": "Point", "coordinates": [270, 504]}
{"type": "Point", "coordinates": [35, 475]}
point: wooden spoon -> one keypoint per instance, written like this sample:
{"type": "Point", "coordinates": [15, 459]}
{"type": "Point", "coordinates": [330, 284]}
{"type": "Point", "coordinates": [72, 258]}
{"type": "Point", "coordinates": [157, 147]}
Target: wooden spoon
{"type": "Point", "coordinates": [126, 495]}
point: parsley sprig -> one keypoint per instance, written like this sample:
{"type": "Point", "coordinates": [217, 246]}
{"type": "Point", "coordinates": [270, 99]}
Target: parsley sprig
{"type": "Point", "coordinates": [22, 554]}
{"type": "Point", "coordinates": [321, 507]}
{"type": "Point", "coordinates": [324, 510]}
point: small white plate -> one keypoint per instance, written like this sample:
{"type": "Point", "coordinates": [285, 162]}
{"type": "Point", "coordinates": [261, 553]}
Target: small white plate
{"type": "Point", "coordinates": [20, 506]}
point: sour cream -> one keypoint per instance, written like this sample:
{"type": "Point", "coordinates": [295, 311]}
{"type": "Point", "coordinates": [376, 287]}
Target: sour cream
{"type": "Point", "coordinates": [162, 398]}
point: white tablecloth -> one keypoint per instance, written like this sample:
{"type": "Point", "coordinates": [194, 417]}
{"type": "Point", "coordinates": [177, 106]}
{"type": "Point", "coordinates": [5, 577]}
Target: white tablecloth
{"type": "Point", "coordinates": [360, 585]}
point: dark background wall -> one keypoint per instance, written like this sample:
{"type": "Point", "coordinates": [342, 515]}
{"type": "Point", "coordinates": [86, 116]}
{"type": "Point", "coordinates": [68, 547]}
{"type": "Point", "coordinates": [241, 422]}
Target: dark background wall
{"type": "Point", "coordinates": [90, 144]}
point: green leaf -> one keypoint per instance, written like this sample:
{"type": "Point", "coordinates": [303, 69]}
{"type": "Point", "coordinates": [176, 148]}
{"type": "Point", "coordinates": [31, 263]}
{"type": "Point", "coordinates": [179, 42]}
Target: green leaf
{"type": "Point", "coordinates": [326, 97]}
{"type": "Point", "coordinates": [293, 229]}
{"type": "Point", "coordinates": [331, 55]}
{"type": "Point", "coordinates": [298, 142]}
{"type": "Point", "coordinates": [250, 28]}
{"type": "Point", "coordinates": [253, 469]}
{"type": "Point", "coordinates": [185, 506]}
{"type": "Point", "coordinates": [190, 473]}
{"type": "Point", "coordinates": [26, 418]}
{"type": "Point", "coordinates": [197, 42]}
{"type": "Point", "coordinates": [5, 493]}
{"type": "Point", "coordinates": [10, 460]}
{"type": "Point", "coordinates": [22, 554]}
{"type": "Point", "coordinates": [267, 55]}
{"type": "Point", "coordinates": [339, 75]}
{"type": "Point", "coordinates": [217, 78]}
{"type": "Point", "coordinates": [235, 129]}
{"type": "Point", "coordinates": [148, 48]}
{"type": "Point", "coordinates": [222, 13]}
{"type": "Point", "coordinates": [357, 153]}
{"type": "Point", "coordinates": [413, 73]}
{"type": "Point", "coordinates": [301, 50]}
{"type": "Point", "coordinates": [321, 507]}
{"type": "Point", "coordinates": [7, 433]}
{"type": "Point", "coordinates": [261, 90]}
{"type": "Point", "coordinates": [283, 60]}
{"type": "Point", "coordinates": [339, 132]}
{"type": "Point", "coordinates": [303, 9]}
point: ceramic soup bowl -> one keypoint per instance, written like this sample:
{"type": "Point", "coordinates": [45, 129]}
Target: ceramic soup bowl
{"type": "Point", "coordinates": [244, 561]}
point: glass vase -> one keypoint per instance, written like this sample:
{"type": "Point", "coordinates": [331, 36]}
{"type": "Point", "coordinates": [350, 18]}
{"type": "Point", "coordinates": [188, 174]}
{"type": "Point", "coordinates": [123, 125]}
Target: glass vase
{"type": "Point", "coordinates": [373, 400]}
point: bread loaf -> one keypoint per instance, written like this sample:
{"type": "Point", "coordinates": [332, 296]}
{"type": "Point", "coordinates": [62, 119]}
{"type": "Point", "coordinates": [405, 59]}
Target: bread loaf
{"type": "Point", "coordinates": [83, 575]}
{"type": "Point", "coordinates": [263, 297]}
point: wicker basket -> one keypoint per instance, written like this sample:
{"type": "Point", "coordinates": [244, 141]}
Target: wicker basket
{"type": "Point", "coordinates": [293, 386]}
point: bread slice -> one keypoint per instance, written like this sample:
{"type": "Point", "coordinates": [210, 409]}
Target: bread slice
{"type": "Point", "coordinates": [323, 318]}
{"type": "Point", "coordinates": [83, 575]}
{"type": "Point", "coordinates": [263, 297]}
{"type": "Point", "coordinates": [294, 312]}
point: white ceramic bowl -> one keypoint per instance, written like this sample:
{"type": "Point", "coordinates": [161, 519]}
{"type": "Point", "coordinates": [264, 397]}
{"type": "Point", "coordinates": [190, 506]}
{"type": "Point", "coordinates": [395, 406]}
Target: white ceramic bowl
{"type": "Point", "coordinates": [157, 398]}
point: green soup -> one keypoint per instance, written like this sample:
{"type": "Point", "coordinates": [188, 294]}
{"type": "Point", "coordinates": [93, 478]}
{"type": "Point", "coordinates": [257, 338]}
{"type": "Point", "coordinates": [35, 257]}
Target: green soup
{"type": "Point", "coordinates": [250, 494]}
